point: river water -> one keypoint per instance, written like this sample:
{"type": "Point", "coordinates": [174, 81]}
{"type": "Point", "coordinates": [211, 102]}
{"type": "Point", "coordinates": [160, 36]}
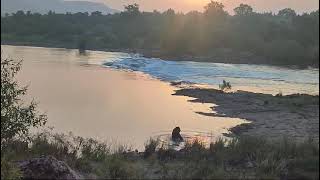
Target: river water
{"type": "Point", "coordinates": [126, 98]}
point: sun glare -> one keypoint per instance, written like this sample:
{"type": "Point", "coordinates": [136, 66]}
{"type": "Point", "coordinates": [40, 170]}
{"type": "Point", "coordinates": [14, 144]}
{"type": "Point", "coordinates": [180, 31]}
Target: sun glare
{"type": "Point", "coordinates": [197, 2]}
{"type": "Point", "coordinates": [188, 5]}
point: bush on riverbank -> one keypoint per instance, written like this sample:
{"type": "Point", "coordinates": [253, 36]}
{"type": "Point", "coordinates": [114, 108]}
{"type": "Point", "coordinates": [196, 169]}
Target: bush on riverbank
{"type": "Point", "coordinates": [17, 117]}
{"type": "Point", "coordinates": [225, 85]}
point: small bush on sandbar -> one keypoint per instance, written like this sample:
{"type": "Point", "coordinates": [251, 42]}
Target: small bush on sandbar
{"type": "Point", "coordinates": [225, 85]}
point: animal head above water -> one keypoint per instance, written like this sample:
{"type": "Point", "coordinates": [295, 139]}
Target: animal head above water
{"type": "Point", "coordinates": [177, 129]}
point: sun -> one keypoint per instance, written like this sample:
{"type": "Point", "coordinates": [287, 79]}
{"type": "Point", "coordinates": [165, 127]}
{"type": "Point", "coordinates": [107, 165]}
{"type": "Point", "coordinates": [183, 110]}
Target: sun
{"type": "Point", "coordinates": [195, 4]}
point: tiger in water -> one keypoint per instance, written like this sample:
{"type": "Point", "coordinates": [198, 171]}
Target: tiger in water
{"type": "Point", "coordinates": [176, 135]}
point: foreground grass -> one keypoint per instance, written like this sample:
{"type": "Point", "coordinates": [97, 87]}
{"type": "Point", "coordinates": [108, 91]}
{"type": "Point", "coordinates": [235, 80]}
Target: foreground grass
{"type": "Point", "coordinates": [240, 158]}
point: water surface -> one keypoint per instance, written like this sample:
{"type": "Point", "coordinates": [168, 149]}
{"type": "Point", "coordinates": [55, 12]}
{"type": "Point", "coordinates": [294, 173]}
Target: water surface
{"type": "Point", "coordinates": [80, 95]}
{"type": "Point", "coordinates": [127, 98]}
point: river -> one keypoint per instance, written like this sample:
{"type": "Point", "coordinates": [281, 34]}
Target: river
{"type": "Point", "coordinates": [126, 98]}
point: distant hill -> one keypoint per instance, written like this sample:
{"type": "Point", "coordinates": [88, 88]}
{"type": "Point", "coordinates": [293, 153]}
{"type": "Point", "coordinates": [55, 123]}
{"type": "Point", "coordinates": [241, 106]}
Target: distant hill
{"type": "Point", "coordinates": [58, 6]}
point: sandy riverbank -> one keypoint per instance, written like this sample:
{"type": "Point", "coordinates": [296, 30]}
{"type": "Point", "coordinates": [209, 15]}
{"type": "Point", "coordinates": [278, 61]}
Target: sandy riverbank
{"type": "Point", "coordinates": [294, 116]}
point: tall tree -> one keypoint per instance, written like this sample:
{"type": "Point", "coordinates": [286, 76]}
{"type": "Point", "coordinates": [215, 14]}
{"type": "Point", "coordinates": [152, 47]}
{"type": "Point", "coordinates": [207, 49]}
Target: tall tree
{"type": "Point", "coordinates": [243, 10]}
{"type": "Point", "coordinates": [132, 9]}
{"type": "Point", "coordinates": [215, 10]}
{"type": "Point", "coordinates": [287, 12]}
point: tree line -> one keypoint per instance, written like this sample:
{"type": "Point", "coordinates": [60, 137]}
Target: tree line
{"type": "Point", "coordinates": [284, 38]}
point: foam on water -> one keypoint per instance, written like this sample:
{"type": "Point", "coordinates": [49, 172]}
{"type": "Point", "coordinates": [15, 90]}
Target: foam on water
{"type": "Point", "coordinates": [267, 77]}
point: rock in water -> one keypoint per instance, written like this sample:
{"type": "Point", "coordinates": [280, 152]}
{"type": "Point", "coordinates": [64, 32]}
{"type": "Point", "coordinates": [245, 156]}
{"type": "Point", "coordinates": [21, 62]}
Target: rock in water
{"type": "Point", "coordinates": [46, 168]}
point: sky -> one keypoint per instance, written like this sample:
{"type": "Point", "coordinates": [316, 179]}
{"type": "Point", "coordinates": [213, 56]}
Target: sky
{"type": "Point", "coordinates": [188, 5]}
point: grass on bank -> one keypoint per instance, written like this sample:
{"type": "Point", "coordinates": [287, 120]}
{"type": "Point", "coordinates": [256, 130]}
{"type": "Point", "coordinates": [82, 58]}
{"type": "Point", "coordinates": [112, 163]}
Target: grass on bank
{"type": "Point", "coordinates": [240, 158]}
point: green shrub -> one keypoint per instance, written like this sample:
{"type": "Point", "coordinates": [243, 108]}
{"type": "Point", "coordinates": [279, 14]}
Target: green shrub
{"type": "Point", "coordinates": [150, 147]}
{"type": "Point", "coordinates": [119, 168]}
{"type": "Point", "coordinates": [225, 85]}
{"type": "Point", "coordinates": [16, 117]}
{"type": "Point", "coordinates": [8, 169]}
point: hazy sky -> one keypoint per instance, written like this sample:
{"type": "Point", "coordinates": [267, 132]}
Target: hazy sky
{"type": "Point", "coordinates": [188, 5]}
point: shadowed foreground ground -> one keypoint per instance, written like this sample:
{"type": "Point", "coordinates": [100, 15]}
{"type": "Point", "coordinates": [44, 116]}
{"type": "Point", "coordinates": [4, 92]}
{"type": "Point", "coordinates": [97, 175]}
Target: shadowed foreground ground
{"type": "Point", "coordinates": [53, 156]}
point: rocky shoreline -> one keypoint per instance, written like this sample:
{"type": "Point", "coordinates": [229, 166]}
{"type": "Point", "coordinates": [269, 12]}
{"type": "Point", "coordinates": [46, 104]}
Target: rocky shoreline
{"type": "Point", "coordinates": [294, 116]}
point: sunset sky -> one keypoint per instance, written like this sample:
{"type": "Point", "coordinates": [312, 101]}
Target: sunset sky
{"type": "Point", "coordinates": [188, 5]}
